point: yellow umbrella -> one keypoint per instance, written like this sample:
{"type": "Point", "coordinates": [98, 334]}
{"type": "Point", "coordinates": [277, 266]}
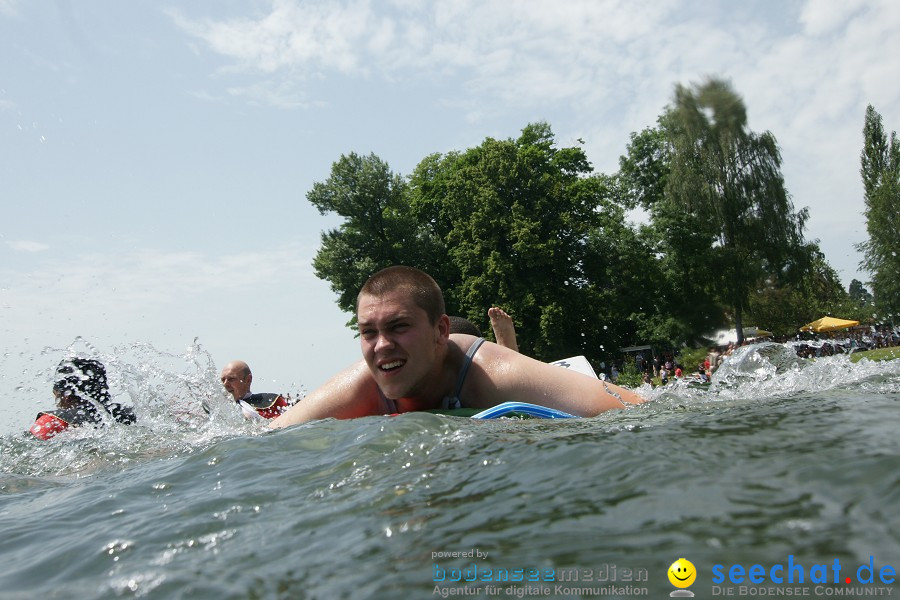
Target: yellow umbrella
{"type": "Point", "coordinates": [828, 324]}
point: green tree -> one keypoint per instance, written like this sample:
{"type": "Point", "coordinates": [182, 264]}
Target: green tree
{"type": "Point", "coordinates": [880, 170]}
{"type": "Point", "coordinates": [625, 306]}
{"type": "Point", "coordinates": [644, 168]}
{"type": "Point", "coordinates": [514, 217]}
{"type": "Point", "coordinates": [725, 175]}
{"type": "Point", "coordinates": [378, 228]}
{"type": "Point", "coordinates": [858, 293]}
{"type": "Point", "coordinates": [683, 304]}
{"type": "Point", "coordinates": [521, 223]}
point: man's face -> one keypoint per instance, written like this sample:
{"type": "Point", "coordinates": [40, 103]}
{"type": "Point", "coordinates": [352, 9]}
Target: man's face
{"type": "Point", "coordinates": [236, 383]}
{"type": "Point", "coordinates": [399, 343]}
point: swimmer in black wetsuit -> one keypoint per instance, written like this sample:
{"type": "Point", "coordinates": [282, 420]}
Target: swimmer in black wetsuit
{"type": "Point", "coordinates": [411, 358]}
{"type": "Point", "coordinates": [236, 378]}
{"type": "Point", "coordinates": [82, 397]}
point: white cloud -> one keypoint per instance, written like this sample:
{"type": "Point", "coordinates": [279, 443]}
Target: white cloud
{"type": "Point", "coordinates": [293, 35]}
{"type": "Point", "coordinates": [601, 69]}
{"type": "Point", "coordinates": [143, 279]}
{"type": "Point", "coordinates": [9, 7]}
{"type": "Point", "coordinates": [27, 246]}
{"type": "Point", "coordinates": [148, 292]}
{"type": "Point", "coordinates": [823, 16]}
{"type": "Point", "coordinates": [537, 48]}
{"type": "Point", "coordinates": [591, 53]}
{"type": "Point", "coordinates": [156, 294]}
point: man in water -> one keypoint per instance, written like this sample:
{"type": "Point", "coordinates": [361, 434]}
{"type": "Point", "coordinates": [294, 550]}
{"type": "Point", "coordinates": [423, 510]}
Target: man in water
{"type": "Point", "coordinates": [412, 362]}
{"type": "Point", "coordinates": [236, 378]}
{"type": "Point", "coordinates": [81, 391]}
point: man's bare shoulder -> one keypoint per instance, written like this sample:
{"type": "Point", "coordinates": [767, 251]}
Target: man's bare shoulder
{"type": "Point", "coordinates": [497, 374]}
{"type": "Point", "coordinates": [349, 394]}
{"type": "Point", "coordinates": [503, 375]}
{"type": "Point", "coordinates": [504, 366]}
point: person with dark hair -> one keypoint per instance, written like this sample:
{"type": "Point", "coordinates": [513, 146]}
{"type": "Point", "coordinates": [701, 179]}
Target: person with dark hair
{"type": "Point", "coordinates": [412, 362]}
{"type": "Point", "coordinates": [463, 325]}
{"type": "Point", "coordinates": [82, 398]}
{"type": "Point", "coordinates": [236, 379]}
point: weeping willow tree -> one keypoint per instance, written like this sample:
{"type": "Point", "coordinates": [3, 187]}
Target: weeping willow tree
{"type": "Point", "coordinates": [728, 180]}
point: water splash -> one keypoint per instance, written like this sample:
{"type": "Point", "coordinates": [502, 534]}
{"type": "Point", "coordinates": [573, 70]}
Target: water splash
{"type": "Point", "coordinates": [766, 370]}
{"type": "Point", "coordinates": [755, 364]}
{"type": "Point", "coordinates": [167, 391]}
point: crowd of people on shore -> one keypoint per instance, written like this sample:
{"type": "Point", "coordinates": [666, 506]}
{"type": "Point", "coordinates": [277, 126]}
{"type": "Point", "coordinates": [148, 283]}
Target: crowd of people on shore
{"type": "Point", "coordinates": [857, 339]}
{"type": "Point", "coordinates": [661, 368]}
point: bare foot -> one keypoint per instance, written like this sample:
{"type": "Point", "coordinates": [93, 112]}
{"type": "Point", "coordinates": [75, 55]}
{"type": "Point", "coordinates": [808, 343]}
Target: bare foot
{"type": "Point", "coordinates": [503, 327]}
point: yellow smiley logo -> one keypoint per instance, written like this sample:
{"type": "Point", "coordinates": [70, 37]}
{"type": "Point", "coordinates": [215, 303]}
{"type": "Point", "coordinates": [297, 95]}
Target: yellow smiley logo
{"type": "Point", "coordinates": [682, 573]}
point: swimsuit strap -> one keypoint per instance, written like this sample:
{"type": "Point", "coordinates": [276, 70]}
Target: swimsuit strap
{"type": "Point", "coordinates": [451, 402]}
{"type": "Point", "coordinates": [388, 406]}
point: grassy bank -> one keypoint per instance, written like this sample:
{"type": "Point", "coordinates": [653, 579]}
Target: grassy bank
{"type": "Point", "coordinates": [878, 354]}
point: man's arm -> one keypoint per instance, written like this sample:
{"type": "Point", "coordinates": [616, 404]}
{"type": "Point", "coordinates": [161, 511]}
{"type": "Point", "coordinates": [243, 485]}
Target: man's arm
{"type": "Point", "coordinates": [507, 376]}
{"type": "Point", "coordinates": [349, 394]}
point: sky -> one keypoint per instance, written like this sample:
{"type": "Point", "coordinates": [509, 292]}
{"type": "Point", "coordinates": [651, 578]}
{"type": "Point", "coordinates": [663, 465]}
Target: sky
{"type": "Point", "coordinates": [155, 156]}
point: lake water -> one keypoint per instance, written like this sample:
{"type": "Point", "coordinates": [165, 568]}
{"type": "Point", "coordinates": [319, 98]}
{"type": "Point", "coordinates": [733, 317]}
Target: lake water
{"type": "Point", "coordinates": [779, 462]}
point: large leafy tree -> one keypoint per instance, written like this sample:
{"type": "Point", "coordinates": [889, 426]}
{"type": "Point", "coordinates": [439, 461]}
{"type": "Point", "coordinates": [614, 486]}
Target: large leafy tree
{"type": "Point", "coordinates": [520, 222]}
{"type": "Point", "coordinates": [515, 217]}
{"type": "Point", "coordinates": [679, 305]}
{"type": "Point", "coordinates": [624, 303]}
{"type": "Point", "coordinates": [378, 229]}
{"type": "Point", "coordinates": [728, 178]}
{"type": "Point", "coordinates": [880, 170]}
